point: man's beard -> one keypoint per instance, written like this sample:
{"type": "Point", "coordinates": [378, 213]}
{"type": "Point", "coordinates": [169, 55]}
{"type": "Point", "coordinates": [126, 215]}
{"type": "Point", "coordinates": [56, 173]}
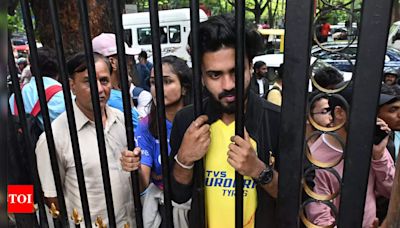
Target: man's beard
{"type": "Point", "coordinates": [230, 108]}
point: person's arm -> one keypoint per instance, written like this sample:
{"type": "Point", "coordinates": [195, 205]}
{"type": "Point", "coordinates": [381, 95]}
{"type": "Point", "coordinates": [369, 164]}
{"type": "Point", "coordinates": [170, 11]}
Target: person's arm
{"type": "Point", "coordinates": [45, 171]}
{"type": "Point", "coordinates": [319, 213]}
{"type": "Point", "coordinates": [382, 164]}
{"type": "Point", "coordinates": [194, 146]}
{"type": "Point", "coordinates": [181, 178]}
{"type": "Point", "coordinates": [130, 161]}
{"type": "Point", "coordinates": [243, 158]}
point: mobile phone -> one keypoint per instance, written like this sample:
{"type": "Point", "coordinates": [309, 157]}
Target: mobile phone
{"type": "Point", "coordinates": [379, 134]}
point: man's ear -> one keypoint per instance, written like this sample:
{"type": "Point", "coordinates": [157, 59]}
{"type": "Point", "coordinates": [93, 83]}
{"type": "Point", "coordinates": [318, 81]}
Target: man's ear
{"type": "Point", "coordinates": [113, 62]}
{"type": "Point", "coordinates": [72, 85]}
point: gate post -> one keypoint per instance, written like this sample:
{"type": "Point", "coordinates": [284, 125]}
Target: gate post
{"type": "Point", "coordinates": [298, 22]}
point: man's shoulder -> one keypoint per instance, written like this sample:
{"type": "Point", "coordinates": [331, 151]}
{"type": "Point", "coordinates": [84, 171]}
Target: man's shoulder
{"type": "Point", "coordinates": [60, 128]}
{"type": "Point", "coordinates": [268, 106]}
{"type": "Point", "coordinates": [185, 115]}
{"type": "Point", "coordinates": [119, 115]}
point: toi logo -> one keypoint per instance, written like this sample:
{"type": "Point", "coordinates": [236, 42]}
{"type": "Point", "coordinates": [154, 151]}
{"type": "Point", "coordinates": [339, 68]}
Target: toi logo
{"type": "Point", "coordinates": [20, 199]}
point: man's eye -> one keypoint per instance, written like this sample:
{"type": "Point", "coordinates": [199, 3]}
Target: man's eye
{"type": "Point", "coordinates": [152, 81]}
{"type": "Point", "coordinates": [213, 75]}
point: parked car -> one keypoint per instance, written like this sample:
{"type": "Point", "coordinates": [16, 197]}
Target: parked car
{"type": "Point", "coordinates": [345, 59]}
{"type": "Point", "coordinates": [20, 46]}
{"type": "Point", "coordinates": [273, 62]}
{"type": "Point", "coordinates": [340, 31]}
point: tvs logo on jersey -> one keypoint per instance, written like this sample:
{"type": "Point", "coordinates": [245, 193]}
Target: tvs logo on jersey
{"type": "Point", "coordinates": [20, 199]}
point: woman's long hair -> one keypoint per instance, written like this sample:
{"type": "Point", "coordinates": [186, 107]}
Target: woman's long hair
{"type": "Point", "coordinates": [180, 68]}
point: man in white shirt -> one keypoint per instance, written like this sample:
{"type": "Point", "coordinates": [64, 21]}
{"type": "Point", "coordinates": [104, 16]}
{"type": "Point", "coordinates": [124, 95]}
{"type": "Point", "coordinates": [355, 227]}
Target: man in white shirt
{"type": "Point", "coordinates": [115, 141]}
{"type": "Point", "coordinates": [259, 82]}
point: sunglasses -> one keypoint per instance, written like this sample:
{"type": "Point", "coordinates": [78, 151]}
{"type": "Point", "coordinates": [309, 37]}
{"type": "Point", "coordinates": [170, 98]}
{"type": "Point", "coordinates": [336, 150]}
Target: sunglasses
{"type": "Point", "coordinates": [324, 111]}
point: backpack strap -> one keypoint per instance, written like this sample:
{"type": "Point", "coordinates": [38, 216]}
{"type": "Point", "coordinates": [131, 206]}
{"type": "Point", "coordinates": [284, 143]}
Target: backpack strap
{"type": "Point", "coordinates": [50, 92]}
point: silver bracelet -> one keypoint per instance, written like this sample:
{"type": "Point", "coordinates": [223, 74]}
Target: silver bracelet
{"type": "Point", "coordinates": [182, 165]}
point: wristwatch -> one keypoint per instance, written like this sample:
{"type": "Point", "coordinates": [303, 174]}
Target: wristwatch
{"type": "Point", "coordinates": [265, 176]}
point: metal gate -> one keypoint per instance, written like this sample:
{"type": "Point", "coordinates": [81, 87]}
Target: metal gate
{"type": "Point", "coordinates": [300, 29]}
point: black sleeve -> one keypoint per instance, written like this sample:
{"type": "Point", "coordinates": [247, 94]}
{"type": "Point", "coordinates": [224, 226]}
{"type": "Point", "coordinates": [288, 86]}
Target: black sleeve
{"type": "Point", "coordinates": [274, 125]}
{"type": "Point", "coordinates": [180, 192]}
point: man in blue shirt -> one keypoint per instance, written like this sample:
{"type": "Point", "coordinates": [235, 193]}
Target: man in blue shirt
{"type": "Point", "coordinates": [105, 44]}
{"type": "Point", "coordinates": [144, 68]}
{"type": "Point", "coordinates": [48, 67]}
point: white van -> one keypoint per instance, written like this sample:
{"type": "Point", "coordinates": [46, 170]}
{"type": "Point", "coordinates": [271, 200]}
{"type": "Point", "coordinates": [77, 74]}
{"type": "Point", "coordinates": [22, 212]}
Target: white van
{"type": "Point", "coordinates": [394, 35]}
{"type": "Point", "coordinates": [174, 31]}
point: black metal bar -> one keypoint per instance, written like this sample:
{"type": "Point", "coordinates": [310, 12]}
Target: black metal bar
{"type": "Point", "coordinates": [198, 110]}
{"type": "Point", "coordinates": [70, 111]}
{"type": "Point", "coordinates": [291, 136]}
{"type": "Point", "coordinates": [162, 129]}
{"type": "Point", "coordinates": [239, 114]}
{"type": "Point", "coordinates": [30, 150]}
{"type": "Point", "coordinates": [4, 126]}
{"type": "Point", "coordinates": [119, 32]}
{"type": "Point", "coordinates": [83, 12]}
{"type": "Point", "coordinates": [368, 72]}
{"type": "Point", "coordinates": [44, 109]}
{"type": "Point", "coordinates": [56, 222]}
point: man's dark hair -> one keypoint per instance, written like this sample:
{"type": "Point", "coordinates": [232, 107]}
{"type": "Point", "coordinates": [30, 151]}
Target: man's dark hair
{"type": "Point", "coordinates": [77, 63]}
{"type": "Point", "coordinates": [143, 54]}
{"type": "Point", "coordinates": [47, 62]}
{"type": "Point", "coordinates": [328, 77]}
{"type": "Point", "coordinates": [219, 32]}
{"type": "Point", "coordinates": [257, 65]}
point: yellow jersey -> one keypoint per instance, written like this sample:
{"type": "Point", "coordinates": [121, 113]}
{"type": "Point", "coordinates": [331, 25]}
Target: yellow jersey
{"type": "Point", "coordinates": [220, 182]}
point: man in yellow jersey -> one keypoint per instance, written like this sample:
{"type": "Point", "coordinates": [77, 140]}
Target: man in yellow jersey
{"type": "Point", "coordinates": [212, 137]}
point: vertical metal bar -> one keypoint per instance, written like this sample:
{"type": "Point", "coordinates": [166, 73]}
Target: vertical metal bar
{"type": "Point", "coordinates": [239, 114]}
{"type": "Point", "coordinates": [291, 136]}
{"type": "Point", "coordinates": [370, 60]}
{"type": "Point", "coordinates": [4, 127]}
{"type": "Point", "coordinates": [70, 111]}
{"type": "Point", "coordinates": [162, 130]}
{"type": "Point", "coordinates": [30, 153]}
{"type": "Point", "coordinates": [83, 12]}
{"type": "Point", "coordinates": [127, 105]}
{"type": "Point", "coordinates": [44, 109]}
{"type": "Point", "coordinates": [198, 110]}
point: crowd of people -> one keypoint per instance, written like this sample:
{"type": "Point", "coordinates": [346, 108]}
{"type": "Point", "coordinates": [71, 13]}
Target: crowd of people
{"type": "Point", "coordinates": [210, 136]}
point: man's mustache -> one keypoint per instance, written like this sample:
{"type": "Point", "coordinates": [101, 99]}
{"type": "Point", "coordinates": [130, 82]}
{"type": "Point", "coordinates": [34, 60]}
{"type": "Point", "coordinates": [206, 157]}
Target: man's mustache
{"type": "Point", "coordinates": [226, 94]}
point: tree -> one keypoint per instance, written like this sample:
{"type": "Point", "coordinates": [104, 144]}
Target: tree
{"type": "Point", "coordinates": [14, 22]}
{"type": "Point", "coordinates": [100, 20]}
{"type": "Point", "coordinates": [396, 11]}
{"type": "Point", "coordinates": [257, 7]}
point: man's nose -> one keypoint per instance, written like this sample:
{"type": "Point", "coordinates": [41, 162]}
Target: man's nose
{"type": "Point", "coordinates": [228, 82]}
{"type": "Point", "coordinates": [100, 88]}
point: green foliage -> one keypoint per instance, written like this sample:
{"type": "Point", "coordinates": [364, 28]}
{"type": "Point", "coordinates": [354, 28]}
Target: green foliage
{"type": "Point", "coordinates": [15, 23]}
{"type": "Point", "coordinates": [3, 24]}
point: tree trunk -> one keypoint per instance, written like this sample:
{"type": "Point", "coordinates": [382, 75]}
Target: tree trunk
{"type": "Point", "coordinates": [100, 20]}
{"type": "Point", "coordinates": [257, 12]}
{"type": "Point", "coordinates": [396, 11]}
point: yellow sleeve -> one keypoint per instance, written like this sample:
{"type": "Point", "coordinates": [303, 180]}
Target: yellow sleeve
{"type": "Point", "coordinates": [275, 97]}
